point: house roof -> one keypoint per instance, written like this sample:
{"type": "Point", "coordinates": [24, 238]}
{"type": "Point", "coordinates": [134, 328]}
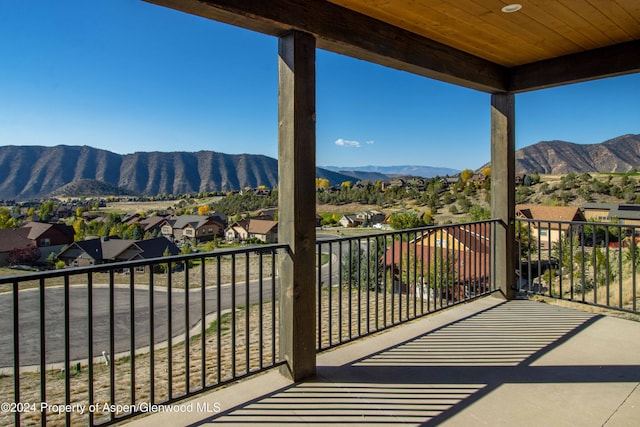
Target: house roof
{"type": "Point", "coordinates": [110, 249]}
{"type": "Point", "coordinates": [466, 42]}
{"type": "Point", "coordinates": [155, 248]}
{"type": "Point", "coordinates": [552, 213]}
{"type": "Point", "coordinates": [616, 210]}
{"type": "Point", "coordinates": [150, 222]}
{"type": "Point", "coordinates": [37, 229]}
{"type": "Point", "coordinates": [474, 238]}
{"type": "Point", "coordinates": [14, 238]}
{"type": "Point", "coordinates": [261, 226]}
{"type": "Point", "coordinates": [195, 221]}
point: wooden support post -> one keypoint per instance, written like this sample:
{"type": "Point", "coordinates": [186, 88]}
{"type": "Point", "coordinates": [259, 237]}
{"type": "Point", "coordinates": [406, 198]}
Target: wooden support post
{"type": "Point", "coordinates": [297, 202]}
{"type": "Point", "coordinates": [503, 178]}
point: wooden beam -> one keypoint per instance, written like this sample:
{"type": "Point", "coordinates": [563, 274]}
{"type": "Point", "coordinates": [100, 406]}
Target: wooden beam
{"type": "Point", "coordinates": [344, 31]}
{"type": "Point", "coordinates": [503, 182]}
{"type": "Point", "coordinates": [297, 202]}
{"type": "Point", "coordinates": [609, 61]}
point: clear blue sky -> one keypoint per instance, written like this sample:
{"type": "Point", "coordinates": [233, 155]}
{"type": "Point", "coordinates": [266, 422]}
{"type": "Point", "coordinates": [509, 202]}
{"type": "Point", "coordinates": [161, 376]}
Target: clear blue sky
{"type": "Point", "coordinates": [127, 76]}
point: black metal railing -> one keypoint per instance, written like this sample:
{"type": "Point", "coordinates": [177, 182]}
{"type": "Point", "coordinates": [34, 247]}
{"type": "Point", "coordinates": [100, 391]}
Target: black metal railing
{"type": "Point", "coordinates": [586, 262]}
{"type": "Point", "coordinates": [96, 345]}
{"type": "Point", "coordinates": [371, 282]}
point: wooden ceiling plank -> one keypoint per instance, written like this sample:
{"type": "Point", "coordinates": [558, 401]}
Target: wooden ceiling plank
{"type": "Point", "coordinates": [347, 32]}
{"type": "Point", "coordinates": [524, 38]}
{"type": "Point", "coordinates": [606, 28]}
{"type": "Point", "coordinates": [541, 15]}
{"type": "Point", "coordinates": [572, 14]}
{"type": "Point", "coordinates": [450, 25]}
{"type": "Point", "coordinates": [624, 17]}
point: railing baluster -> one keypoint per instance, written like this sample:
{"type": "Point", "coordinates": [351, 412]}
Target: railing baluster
{"type": "Point", "coordinates": [112, 345]}
{"type": "Point", "coordinates": [90, 388]}
{"type": "Point", "coordinates": [247, 324]}
{"type": "Point", "coordinates": [203, 323]}
{"type": "Point", "coordinates": [340, 284]}
{"type": "Point", "coordinates": [319, 296]}
{"type": "Point", "coordinates": [152, 342]}
{"type": "Point", "coordinates": [218, 319]}
{"type": "Point", "coordinates": [170, 331]}
{"type": "Point", "coordinates": [16, 349]}
{"type": "Point", "coordinates": [233, 315]}
{"type": "Point", "coordinates": [368, 283]}
{"type": "Point", "coordinates": [187, 355]}
{"type": "Point", "coordinates": [330, 297]}
{"type": "Point", "coordinates": [132, 335]}
{"type": "Point", "coordinates": [274, 328]}
{"type": "Point", "coordinates": [260, 309]}
{"type": "Point", "coordinates": [359, 286]}
{"type": "Point", "coordinates": [43, 353]}
{"type": "Point", "coordinates": [634, 255]}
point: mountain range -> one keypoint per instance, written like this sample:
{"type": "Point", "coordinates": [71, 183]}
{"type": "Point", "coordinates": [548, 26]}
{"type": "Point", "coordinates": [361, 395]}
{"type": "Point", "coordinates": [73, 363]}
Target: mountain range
{"type": "Point", "coordinates": [621, 154]}
{"type": "Point", "coordinates": [30, 172]}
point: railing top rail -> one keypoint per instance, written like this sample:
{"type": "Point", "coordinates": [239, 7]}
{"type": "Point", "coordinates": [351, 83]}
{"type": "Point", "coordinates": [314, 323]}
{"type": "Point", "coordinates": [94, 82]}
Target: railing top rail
{"type": "Point", "coordinates": [582, 223]}
{"type": "Point", "coordinates": [406, 231]}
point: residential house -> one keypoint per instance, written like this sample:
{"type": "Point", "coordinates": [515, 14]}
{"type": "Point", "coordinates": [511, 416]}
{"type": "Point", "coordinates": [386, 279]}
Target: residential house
{"type": "Point", "coordinates": [455, 258]}
{"type": "Point", "coordinates": [253, 228]}
{"type": "Point", "coordinates": [263, 229]}
{"type": "Point", "coordinates": [270, 213]}
{"type": "Point", "coordinates": [549, 222]}
{"type": "Point", "coordinates": [369, 218]}
{"type": "Point", "coordinates": [449, 181]}
{"type": "Point", "coordinates": [237, 232]}
{"type": "Point", "coordinates": [612, 212]}
{"type": "Point", "coordinates": [195, 227]}
{"type": "Point", "coordinates": [49, 237]}
{"type": "Point", "coordinates": [348, 220]}
{"type": "Point", "coordinates": [109, 249]}
{"type": "Point", "coordinates": [45, 234]}
{"type": "Point", "coordinates": [11, 239]}
{"type": "Point", "coordinates": [150, 224]}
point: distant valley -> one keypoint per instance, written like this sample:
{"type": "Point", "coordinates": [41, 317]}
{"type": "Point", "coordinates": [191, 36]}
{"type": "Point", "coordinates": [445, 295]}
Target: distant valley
{"type": "Point", "coordinates": [404, 170]}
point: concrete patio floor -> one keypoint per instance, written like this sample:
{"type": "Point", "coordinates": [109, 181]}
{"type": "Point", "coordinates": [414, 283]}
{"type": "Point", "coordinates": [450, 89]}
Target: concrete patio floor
{"type": "Point", "coordinates": [489, 362]}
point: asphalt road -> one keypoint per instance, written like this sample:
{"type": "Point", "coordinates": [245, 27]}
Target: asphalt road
{"type": "Point", "coordinates": [29, 318]}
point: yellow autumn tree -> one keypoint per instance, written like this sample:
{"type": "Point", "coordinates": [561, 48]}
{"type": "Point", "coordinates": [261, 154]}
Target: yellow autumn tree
{"type": "Point", "coordinates": [466, 175]}
{"type": "Point", "coordinates": [322, 183]}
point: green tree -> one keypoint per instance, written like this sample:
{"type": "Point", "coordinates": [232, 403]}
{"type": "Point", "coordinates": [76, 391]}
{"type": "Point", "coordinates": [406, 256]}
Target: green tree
{"type": "Point", "coordinates": [405, 220]}
{"type": "Point", "coordinates": [362, 265]}
{"type": "Point", "coordinates": [45, 211]}
{"type": "Point", "coordinates": [478, 213]}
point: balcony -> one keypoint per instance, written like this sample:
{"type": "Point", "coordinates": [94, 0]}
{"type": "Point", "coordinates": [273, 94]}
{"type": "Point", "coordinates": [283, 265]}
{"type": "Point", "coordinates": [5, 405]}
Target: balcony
{"type": "Point", "coordinates": [410, 327]}
{"type": "Point", "coordinates": [489, 362]}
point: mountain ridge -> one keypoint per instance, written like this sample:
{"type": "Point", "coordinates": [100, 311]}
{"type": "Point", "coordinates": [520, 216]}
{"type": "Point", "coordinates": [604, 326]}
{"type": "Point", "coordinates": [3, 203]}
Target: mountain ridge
{"type": "Point", "coordinates": [31, 172]}
{"type": "Point", "coordinates": [619, 154]}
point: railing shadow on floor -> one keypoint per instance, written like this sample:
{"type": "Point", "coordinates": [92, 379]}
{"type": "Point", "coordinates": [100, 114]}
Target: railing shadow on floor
{"type": "Point", "coordinates": [429, 379]}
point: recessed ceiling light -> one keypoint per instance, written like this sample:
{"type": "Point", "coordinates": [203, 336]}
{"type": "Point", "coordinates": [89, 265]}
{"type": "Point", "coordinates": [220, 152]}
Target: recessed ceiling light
{"type": "Point", "coordinates": [513, 7]}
